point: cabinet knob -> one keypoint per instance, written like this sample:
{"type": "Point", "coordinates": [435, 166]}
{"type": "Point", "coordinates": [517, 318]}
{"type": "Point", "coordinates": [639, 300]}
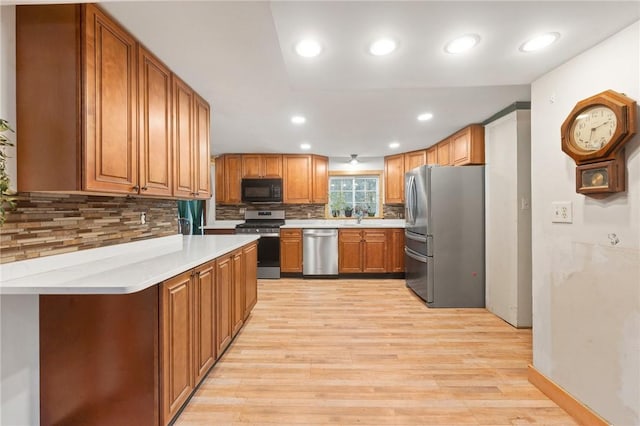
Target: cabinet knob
{"type": "Point", "coordinates": [136, 187]}
{"type": "Point", "coordinates": [144, 188]}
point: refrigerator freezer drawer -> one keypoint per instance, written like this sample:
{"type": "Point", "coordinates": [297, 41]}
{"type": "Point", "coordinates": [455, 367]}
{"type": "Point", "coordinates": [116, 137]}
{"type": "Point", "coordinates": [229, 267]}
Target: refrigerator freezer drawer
{"type": "Point", "coordinates": [419, 274]}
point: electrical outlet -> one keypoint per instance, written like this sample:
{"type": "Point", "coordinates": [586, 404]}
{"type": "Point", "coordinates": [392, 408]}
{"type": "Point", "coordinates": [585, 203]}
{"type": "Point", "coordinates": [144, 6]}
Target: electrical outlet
{"type": "Point", "coordinates": [143, 218]}
{"type": "Point", "coordinates": [242, 210]}
{"type": "Point", "coordinates": [561, 212]}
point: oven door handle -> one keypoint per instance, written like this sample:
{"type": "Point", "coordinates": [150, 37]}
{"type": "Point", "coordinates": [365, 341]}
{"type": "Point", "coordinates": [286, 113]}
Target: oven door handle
{"type": "Point", "coordinates": [275, 234]}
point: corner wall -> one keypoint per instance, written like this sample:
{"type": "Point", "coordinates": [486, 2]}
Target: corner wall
{"type": "Point", "coordinates": [586, 291]}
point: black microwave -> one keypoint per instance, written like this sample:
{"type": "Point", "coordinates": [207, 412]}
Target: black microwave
{"type": "Point", "coordinates": [262, 190]}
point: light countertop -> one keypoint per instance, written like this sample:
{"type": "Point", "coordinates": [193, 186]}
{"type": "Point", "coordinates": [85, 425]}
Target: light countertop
{"type": "Point", "coordinates": [119, 269]}
{"type": "Point", "coordinates": [345, 223]}
{"type": "Point", "coordinates": [319, 223]}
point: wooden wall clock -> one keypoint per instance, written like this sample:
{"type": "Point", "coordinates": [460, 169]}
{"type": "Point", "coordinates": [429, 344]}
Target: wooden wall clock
{"type": "Point", "coordinates": [594, 134]}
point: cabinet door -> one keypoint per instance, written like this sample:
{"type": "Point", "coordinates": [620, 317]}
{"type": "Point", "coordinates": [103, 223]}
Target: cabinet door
{"type": "Point", "coordinates": [238, 287]}
{"type": "Point", "coordinates": [297, 179]}
{"type": "Point", "coordinates": [220, 179]}
{"type": "Point", "coordinates": [396, 256]}
{"type": "Point", "coordinates": [251, 166]}
{"type": "Point", "coordinates": [204, 310]}
{"type": "Point", "coordinates": [467, 146]}
{"type": "Point", "coordinates": [444, 155]}
{"type": "Point", "coordinates": [233, 178]}
{"type": "Point", "coordinates": [250, 254]}
{"type": "Point", "coordinates": [272, 166]}
{"type": "Point", "coordinates": [320, 192]}
{"type": "Point", "coordinates": [374, 251]}
{"type": "Point", "coordinates": [183, 139]}
{"type": "Point", "coordinates": [414, 159]}
{"type": "Point", "coordinates": [349, 251]}
{"type": "Point", "coordinates": [432, 155]}
{"type": "Point", "coordinates": [224, 282]}
{"type": "Point", "coordinates": [291, 250]}
{"type": "Point", "coordinates": [202, 149]}
{"type": "Point", "coordinates": [111, 130]}
{"type": "Point", "coordinates": [176, 343]}
{"type": "Point", "coordinates": [394, 179]}
{"type": "Point", "coordinates": [156, 141]}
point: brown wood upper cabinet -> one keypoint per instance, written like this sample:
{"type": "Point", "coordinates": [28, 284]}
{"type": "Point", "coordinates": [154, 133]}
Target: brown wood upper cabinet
{"type": "Point", "coordinates": [415, 159]}
{"type": "Point", "coordinates": [394, 179]}
{"type": "Point", "coordinates": [432, 155]}
{"type": "Point", "coordinates": [261, 166]}
{"type": "Point", "coordinates": [104, 113]}
{"type": "Point", "coordinates": [320, 180]}
{"type": "Point", "coordinates": [296, 179]}
{"type": "Point", "coordinates": [228, 179]}
{"type": "Point", "coordinates": [467, 146]}
{"type": "Point", "coordinates": [444, 153]}
{"type": "Point", "coordinates": [191, 136]}
{"type": "Point", "coordinates": [155, 114]}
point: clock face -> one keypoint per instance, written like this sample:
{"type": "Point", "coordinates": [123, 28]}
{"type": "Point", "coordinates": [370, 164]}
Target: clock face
{"type": "Point", "coordinates": [593, 128]}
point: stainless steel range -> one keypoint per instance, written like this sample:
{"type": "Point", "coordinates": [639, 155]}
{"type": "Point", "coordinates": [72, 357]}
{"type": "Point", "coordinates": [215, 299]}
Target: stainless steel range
{"type": "Point", "coordinates": [265, 223]}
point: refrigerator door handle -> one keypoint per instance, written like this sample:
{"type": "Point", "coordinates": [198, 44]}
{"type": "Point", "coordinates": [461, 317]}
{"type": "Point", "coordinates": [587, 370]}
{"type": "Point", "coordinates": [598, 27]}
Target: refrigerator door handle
{"type": "Point", "coordinates": [414, 199]}
{"type": "Point", "coordinates": [410, 201]}
{"type": "Point", "coordinates": [415, 237]}
{"type": "Point", "coordinates": [415, 256]}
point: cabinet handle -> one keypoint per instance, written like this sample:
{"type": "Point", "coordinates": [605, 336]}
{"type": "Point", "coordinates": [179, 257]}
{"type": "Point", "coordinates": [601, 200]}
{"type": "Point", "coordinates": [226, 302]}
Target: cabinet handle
{"type": "Point", "coordinates": [136, 187]}
{"type": "Point", "coordinates": [144, 188]}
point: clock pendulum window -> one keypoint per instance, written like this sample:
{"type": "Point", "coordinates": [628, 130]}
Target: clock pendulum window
{"type": "Point", "coordinates": [593, 135]}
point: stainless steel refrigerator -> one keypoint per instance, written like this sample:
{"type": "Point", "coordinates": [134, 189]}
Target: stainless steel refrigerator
{"type": "Point", "coordinates": [444, 230]}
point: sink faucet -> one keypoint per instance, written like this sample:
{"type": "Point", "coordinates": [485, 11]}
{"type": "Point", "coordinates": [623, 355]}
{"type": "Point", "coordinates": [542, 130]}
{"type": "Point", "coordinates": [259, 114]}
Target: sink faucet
{"type": "Point", "coordinates": [359, 217]}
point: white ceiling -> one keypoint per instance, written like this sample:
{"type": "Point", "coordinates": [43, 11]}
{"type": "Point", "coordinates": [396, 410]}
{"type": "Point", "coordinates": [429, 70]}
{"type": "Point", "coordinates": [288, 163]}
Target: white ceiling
{"type": "Point", "coordinates": [239, 56]}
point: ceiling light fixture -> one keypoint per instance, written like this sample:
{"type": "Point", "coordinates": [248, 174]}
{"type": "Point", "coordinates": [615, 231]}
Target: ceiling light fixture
{"type": "Point", "coordinates": [382, 47]}
{"type": "Point", "coordinates": [353, 160]}
{"type": "Point", "coordinates": [298, 119]}
{"type": "Point", "coordinates": [308, 48]}
{"type": "Point", "coordinates": [539, 42]}
{"type": "Point", "coordinates": [462, 44]}
{"type": "Point", "coordinates": [394, 145]}
{"type": "Point", "coordinates": [305, 146]}
{"type": "Point", "coordinates": [426, 116]}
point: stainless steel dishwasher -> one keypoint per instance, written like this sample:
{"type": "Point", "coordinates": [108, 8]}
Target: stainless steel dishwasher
{"type": "Point", "coordinates": [320, 252]}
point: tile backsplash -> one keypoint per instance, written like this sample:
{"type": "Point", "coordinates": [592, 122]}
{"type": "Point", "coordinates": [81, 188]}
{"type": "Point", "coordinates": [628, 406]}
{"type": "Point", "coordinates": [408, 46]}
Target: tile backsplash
{"type": "Point", "coordinates": [46, 224]}
{"type": "Point", "coordinates": [294, 211]}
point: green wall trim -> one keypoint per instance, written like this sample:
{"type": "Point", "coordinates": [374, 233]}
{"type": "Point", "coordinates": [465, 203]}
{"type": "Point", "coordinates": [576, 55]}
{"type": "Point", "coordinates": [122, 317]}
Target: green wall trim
{"type": "Point", "coordinates": [508, 110]}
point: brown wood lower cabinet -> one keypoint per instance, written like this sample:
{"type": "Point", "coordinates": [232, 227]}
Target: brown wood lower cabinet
{"type": "Point", "coordinates": [224, 277]}
{"type": "Point", "coordinates": [250, 254]}
{"type": "Point", "coordinates": [135, 359]}
{"type": "Point", "coordinates": [176, 341]}
{"type": "Point", "coordinates": [291, 250]}
{"type": "Point", "coordinates": [374, 250]}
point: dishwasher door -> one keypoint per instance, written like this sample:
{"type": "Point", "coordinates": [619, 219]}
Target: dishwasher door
{"type": "Point", "coordinates": [320, 252]}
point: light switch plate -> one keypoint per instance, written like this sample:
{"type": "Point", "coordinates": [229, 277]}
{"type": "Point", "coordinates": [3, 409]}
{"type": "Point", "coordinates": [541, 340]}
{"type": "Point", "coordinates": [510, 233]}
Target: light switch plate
{"type": "Point", "coordinates": [561, 212]}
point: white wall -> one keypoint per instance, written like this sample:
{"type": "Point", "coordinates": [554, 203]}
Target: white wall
{"type": "Point", "coordinates": [365, 163]}
{"type": "Point", "coordinates": [508, 217]}
{"type": "Point", "coordinates": [8, 81]}
{"type": "Point", "coordinates": [586, 292]}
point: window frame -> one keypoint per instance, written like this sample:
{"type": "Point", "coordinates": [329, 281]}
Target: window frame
{"type": "Point", "coordinates": [355, 173]}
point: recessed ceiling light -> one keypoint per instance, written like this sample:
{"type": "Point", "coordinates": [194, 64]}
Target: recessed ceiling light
{"type": "Point", "coordinates": [425, 116]}
{"type": "Point", "coordinates": [382, 47]}
{"type": "Point", "coordinates": [539, 42]}
{"type": "Point", "coordinates": [394, 145]}
{"type": "Point", "coordinates": [305, 146]}
{"type": "Point", "coordinates": [308, 48]}
{"type": "Point", "coordinates": [462, 44]}
{"type": "Point", "coordinates": [298, 119]}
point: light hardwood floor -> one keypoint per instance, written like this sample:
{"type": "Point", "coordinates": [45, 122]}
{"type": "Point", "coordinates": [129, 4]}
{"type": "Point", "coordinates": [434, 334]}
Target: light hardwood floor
{"type": "Point", "coordinates": [369, 352]}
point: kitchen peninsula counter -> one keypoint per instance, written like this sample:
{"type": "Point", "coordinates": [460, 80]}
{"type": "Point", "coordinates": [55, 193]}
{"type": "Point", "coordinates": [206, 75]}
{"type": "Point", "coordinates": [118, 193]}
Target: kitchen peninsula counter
{"type": "Point", "coordinates": [118, 269]}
